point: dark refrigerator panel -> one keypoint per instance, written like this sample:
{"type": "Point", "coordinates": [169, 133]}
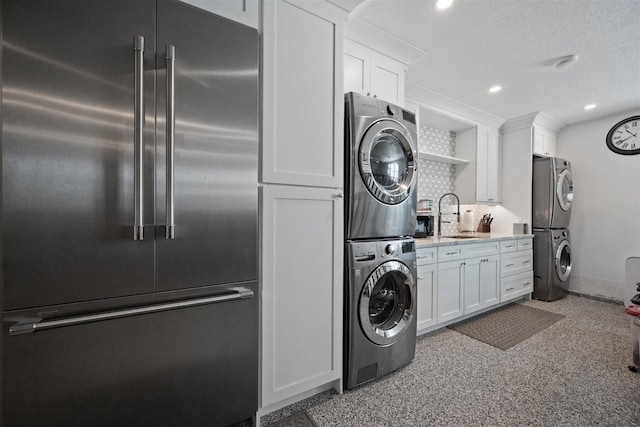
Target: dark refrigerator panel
{"type": "Point", "coordinates": [216, 146]}
{"type": "Point", "coordinates": [192, 366]}
{"type": "Point", "coordinates": [67, 141]}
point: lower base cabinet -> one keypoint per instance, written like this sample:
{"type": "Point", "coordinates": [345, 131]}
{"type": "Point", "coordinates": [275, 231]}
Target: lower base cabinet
{"type": "Point", "coordinates": [481, 283]}
{"type": "Point", "coordinates": [459, 280]}
{"type": "Point", "coordinates": [427, 294]}
{"type": "Point", "coordinates": [450, 290]}
{"type": "Point", "coordinates": [302, 293]}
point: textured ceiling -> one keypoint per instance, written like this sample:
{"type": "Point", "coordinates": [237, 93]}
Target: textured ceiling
{"type": "Point", "coordinates": [476, 44]}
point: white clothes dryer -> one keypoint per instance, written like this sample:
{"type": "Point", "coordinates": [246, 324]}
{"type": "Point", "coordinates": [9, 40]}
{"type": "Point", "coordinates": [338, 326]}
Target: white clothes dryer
{"type": "Point", "coordinates": [381, 161]}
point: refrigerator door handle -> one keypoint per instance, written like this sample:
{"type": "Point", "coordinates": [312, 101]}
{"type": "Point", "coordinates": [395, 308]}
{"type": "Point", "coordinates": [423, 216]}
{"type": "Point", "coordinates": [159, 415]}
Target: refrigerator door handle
{"type": "Point", "coordinates": [138, 144]}
{"type": "Point", "coordinates": [34, 325]}
{"type": "Point", "coordinates": [171, 117]}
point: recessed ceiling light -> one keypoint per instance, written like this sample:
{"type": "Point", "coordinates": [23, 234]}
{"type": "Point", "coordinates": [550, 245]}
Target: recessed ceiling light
{"type": "Point", "coordinates": [566, 61]}
{"type": "Point", "coordinates": [495, 89]}
{"type": "Point", "coordinates": [590, 107]}
{"type": "Point", "coordinates": [443, 4]}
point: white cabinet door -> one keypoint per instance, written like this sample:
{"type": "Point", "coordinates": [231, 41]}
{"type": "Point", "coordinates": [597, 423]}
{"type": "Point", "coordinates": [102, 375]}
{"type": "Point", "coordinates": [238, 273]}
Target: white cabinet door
{"type": "Point", "coordinates": [450, 290]}
{"type": "Point", "coordinates": [367, 71]}
{"type": "Point", "coordinates": [302, 293]}
{"type": "Point", "coordinates": [472, 284]}
{"type": "Point", "coordinates": [303, 101]}
{"type": "Point", "coordinates": [544, 142]}
{"type": "Point", "coordinates": [481, 179]}
{"type": "Point", "coordinates": [490, 281]}
{"type": "Point", "coordinates": [427, 294]}
{"type": "Point", "coordinates": [387, 79]}
{"type": "Point", "coordinates": [243, 11]}
{"type": "Point", "coordinates": [357, 68]}
{"type": "Point", "coordinates": [488, 168]}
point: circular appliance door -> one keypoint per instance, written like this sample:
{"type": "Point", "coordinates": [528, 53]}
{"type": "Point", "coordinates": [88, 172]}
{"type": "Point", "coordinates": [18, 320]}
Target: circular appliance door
{"type": "Point", "coordinates": [387, 302]}
{"type": "Point", "coordinates": [387, 163]}
{"type": "Point", "coordinates": [563, 261]}
{"type": "Point", "coordinates": [564, 190]}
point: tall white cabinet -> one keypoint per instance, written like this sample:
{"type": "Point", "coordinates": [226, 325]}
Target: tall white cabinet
{"type": "Point", "coordinates": [481, 179]}
{"type": "Point", "coordinates": [301, 199]}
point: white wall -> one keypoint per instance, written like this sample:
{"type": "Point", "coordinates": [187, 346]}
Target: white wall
{"type": "Point", "coordinates": [605, 218]}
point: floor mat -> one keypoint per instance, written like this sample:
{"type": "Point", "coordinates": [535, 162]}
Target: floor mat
{"type": "Point", "coordinates": [299, 419]}
{"type": "Point", "coordinates": [507, 326]}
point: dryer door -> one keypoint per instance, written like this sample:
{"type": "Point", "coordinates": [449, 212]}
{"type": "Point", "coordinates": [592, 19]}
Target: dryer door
{"type": "Point", "coordinates": [387, 162]}
{"type": "Point", "coordinates": [564, 190]}
{"type": "Point", "coordinates": [563, 261]}
{"type": "Point", "coordinates": [387, 302]}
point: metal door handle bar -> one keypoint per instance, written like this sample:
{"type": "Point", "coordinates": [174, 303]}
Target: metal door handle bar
{"type": "Point", "coordinates": [138, 144]}
{"type": "Point", "coordinates": [171, 117]}
{"type": "Point", "coordinates": [35, 325]}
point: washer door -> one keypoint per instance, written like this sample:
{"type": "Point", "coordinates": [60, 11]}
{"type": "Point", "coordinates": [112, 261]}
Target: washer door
{"type": "Point", "coordinates": [387, 163]}
{"type": "Point", "coordinates": [563, 261]}
{"type": "Point", "coordinates": [387, 302]}
{"type": "Point", "coordinates": [564, 190]}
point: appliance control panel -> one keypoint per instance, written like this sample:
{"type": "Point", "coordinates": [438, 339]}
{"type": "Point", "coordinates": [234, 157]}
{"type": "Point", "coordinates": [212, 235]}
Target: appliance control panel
{"type": "Point", "coordinates": [372, 250]}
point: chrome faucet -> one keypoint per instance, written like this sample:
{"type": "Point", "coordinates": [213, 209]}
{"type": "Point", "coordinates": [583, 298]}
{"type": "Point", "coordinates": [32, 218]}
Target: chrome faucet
{"type": "Point", "coordinates": [440, 211]}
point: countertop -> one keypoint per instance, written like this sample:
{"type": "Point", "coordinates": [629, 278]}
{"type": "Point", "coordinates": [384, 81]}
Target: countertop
{"type": "Point", "coordinates": [478, 237]}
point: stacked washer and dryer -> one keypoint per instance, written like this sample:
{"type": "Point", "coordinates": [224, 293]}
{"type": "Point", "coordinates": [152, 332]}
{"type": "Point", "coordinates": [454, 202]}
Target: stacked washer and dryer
{"type": "Point", "coordinates": [380, 278]}
{"type": "Point", "coordinates": [552, 198]}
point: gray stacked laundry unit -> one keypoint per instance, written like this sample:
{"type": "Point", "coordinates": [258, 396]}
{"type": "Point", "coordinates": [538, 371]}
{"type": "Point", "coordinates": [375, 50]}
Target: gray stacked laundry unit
{"type": "Point", "coordinates": [381, 279]}
{"type": "Point", "coordinates": [552, 200]}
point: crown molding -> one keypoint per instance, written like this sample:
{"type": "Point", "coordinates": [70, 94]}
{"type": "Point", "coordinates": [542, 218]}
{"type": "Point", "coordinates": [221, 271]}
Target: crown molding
{"type": "Point", "coordinates": [449, 107]}
{"type": "Point", "coordinates": [375, 38]}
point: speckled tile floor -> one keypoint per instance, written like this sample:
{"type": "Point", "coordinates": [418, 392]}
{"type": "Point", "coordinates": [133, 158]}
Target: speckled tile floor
{"type": "Point", "coordinates": [573, 373]}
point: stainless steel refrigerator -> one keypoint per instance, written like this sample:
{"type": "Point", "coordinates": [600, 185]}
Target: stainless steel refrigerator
{"type": "Point", "coordinates": [129, 214]}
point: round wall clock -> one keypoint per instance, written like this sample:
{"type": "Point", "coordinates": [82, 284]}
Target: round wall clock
{"type": "Point", "coordinates": [624, 136]}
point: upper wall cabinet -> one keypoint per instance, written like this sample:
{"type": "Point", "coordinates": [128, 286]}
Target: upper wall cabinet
{"type": "Point", "coordinates": [367, 71]}
{"type": "Point", "coordinates": [544, 141]}
{"type": "Point", "coordinates": [243, 11]}
{"type": "Point", "coordinates": [303, 100]}
{"type": "Point", "coordinates": [481, 179]}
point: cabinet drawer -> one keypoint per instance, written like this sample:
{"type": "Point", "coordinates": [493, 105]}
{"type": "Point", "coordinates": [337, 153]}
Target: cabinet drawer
{"type": "Point", "coordinates": [508, 246]}
{"type": "Point", "coordinates": [516, 263]}
{"type": "Point", "coordinates": [450, 253]}
{"type": "Point", "coordinates": [481, 249]}
{"type": "Point", "coordinates": [426, 256]}
{"type": "Point", "coordinates": [516, 286]}
{"type": "Point", "coordinates": [525, 244]}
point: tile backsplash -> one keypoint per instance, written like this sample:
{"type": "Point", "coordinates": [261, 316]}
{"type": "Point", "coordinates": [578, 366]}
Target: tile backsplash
{"type": "Point", "coordinates": [436, 178]}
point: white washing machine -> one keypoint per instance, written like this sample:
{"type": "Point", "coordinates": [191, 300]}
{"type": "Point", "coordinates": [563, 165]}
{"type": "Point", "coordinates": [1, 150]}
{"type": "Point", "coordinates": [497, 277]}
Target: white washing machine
{"type": "Point", "coordinates": [552, 192]}
{"type": "Point", "coordinates": [381, 161]}
{"type": "Point", "coordinates": [551, 264]}
{"type": "Point", "coordinates": [380, 304]}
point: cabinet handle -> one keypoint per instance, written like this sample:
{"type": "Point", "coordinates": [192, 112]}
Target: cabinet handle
{"type": "Point", "coordinates": [425, 257]}
{"type": "Point", "coordinates": [340, 195]}
{"type": "Point", "coordinates": [510, 289]}
{"type": "Point", "coordinates": [509, 246]}
{"type": "Point", "coordinates": [171, 119]}
{"type": "Point", "coordinates": [138, 141]}
{"type": "Point", "coordinates": [524, 285]}
{"type": "Point", "coordinates": [526, 261]}
{"type": "Point", "coordinates": [452, 253]}
{"type": "Point", "coordinates": [423, 277]}
{"type": "Point", "coordinates": [509, 265]}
